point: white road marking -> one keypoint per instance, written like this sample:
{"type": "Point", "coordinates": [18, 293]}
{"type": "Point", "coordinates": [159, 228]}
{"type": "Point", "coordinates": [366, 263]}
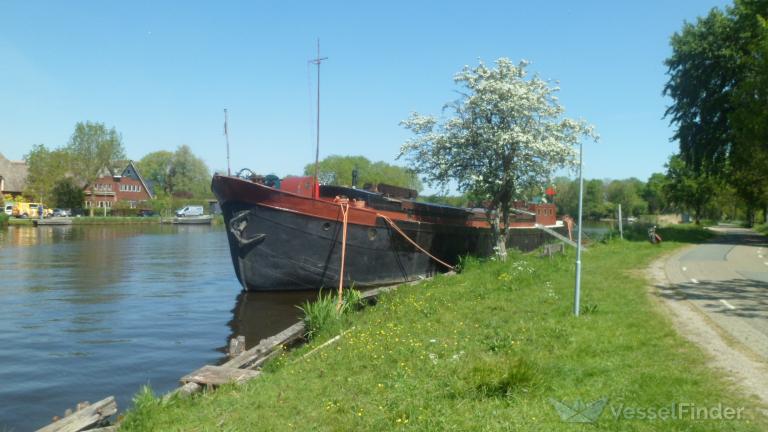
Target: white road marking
{"type": "Point", "coordinates": [694, 280]}
{"type": "Point", "coordinates": [728, 305]}
{"type": "Point", "coordinates": [685, 268]}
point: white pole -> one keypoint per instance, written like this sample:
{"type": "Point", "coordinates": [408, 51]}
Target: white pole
{"type": "Point", "coordinates": [577, 293]}
{"type": "Point", "coordinates": [621, 227]}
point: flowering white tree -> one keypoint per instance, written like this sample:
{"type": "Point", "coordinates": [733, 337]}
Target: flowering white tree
{"type": "Point", "coordinates": [507, 134]}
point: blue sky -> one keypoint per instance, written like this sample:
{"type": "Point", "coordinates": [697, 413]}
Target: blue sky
{"type": "Point", "coordinates": [162, 72]}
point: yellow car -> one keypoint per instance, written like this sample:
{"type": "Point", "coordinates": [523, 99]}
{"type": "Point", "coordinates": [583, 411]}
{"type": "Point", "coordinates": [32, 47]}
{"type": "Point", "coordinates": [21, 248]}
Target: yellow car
{"type": "Point", "coordinates": [29, 210]}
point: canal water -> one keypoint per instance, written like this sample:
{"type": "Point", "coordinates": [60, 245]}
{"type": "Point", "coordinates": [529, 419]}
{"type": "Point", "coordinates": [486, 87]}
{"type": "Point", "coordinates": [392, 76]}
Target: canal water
{"type": "Point", "coordinates": [92, 311]}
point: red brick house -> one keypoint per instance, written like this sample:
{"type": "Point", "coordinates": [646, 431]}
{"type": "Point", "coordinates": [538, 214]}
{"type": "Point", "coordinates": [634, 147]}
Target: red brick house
{"type": "Point", "coordinates": [127, 187]}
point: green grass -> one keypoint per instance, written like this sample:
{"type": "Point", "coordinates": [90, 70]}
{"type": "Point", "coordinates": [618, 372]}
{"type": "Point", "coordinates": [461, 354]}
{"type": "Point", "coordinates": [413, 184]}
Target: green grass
{"type": "Point", "coordinates": [484, 350]}
{"type": "Point", "coordinates": [98, 220]}
{"type": "Point", "coordinates": [17, 221]}
{"type": "Point", "coordinates": [115, 220]}
{"type": "Point", "coordinates": [761, 228]}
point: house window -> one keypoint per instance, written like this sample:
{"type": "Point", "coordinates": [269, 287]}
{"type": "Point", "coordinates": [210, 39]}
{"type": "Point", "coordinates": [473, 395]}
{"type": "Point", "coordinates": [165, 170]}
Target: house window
{"type": "Point", "coordinates": [130, 188]}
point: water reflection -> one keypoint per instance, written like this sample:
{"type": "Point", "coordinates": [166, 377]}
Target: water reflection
{"type": "Point", "coordinates": [92, 311]}
{"type": "Point", "coordinates": [80, 303]}
{"type": "Point", "coordinates": [258, 315]}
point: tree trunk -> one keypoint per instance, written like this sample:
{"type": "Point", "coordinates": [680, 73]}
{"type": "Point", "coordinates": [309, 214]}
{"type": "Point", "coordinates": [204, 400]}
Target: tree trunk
{"type": "Point", "coordinates": [750, 215]}
{"type": "Point", "coordinates": [697, 215]}
{"type": "Point", "coordinates": [499, 238]}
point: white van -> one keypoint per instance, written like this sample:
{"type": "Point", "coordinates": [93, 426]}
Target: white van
{"type": "Point", "coordinates": [189, 211]}
{"type": "Point", "coordinates": [9, 209]}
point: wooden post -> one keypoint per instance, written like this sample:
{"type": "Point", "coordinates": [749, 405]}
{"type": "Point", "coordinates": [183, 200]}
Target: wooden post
{"type": "Point", "coordinates": [236, 346]}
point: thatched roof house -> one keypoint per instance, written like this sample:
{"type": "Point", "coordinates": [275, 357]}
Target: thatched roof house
{"type": "Point", "coordinates": [13, 176]}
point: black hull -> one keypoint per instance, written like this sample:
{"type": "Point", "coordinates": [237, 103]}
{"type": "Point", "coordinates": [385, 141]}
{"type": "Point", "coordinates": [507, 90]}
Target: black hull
{"type": "Point", "coordinates": [282, 250]}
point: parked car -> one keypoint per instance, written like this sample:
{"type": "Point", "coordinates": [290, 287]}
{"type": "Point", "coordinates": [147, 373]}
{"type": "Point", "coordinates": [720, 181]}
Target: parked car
{"type": "Point", "coordinates": [146, 213]}
{"type": "Point", "coordinates": [9, 209]}
{"type": "Point", "coordinates": [57, 212]}
{"type": "Point", "coordinates": [189, 211]}
{"type": "Point", "coordinates": [25, 210]}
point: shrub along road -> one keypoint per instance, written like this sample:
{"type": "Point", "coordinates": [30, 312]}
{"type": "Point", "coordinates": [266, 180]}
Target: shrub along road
{"type": "Point", "coordinates": [493, 348]}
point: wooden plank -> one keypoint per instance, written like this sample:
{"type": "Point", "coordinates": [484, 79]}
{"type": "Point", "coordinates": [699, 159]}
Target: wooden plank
{"type": "Point", "coordinates": [266, 346]}
{"type": "Point", "coordinates": [558, 236]}
{"type": "Point", "coordinates": [184, 391]}
{"type": "Point", "coordinates": [86, 417]}
{"type": "Point", "coordinates": [219, 375]}
{"type": "Point", "coordinates": [375, 292]}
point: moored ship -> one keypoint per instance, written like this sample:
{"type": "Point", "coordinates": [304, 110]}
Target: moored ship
{"type": "Point", "coordinates": [289, 234]}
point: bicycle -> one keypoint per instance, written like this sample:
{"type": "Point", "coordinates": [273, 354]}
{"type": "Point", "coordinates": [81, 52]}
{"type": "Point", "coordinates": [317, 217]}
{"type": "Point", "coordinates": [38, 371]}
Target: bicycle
{"type": "Point", "coordinates": [653, 237]}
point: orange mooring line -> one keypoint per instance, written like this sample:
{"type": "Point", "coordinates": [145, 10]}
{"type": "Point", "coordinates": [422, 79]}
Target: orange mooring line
{"type": "Point", "coordinates": [344, 203]}
{"type": "Point", "coordinates": [397, 228]}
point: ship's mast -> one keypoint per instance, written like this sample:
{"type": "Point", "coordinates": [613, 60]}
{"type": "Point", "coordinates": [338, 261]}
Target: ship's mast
{"type": "Point", "coordinates": [317, 62]}
{"type": "Point", "coordinates": [226, 134]}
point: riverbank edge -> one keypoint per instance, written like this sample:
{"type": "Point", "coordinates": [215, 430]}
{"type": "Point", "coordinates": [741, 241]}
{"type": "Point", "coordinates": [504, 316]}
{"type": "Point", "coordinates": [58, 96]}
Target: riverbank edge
{"type": "Point", "coordinates": [518, 368]}
{"type": "Point", "coordinates": [109, 220]}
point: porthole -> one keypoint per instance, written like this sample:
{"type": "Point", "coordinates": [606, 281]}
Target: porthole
{"type": "Point", "coordinates": [326, 226]}
{"type": "Point", "coordinates": [371, 234]}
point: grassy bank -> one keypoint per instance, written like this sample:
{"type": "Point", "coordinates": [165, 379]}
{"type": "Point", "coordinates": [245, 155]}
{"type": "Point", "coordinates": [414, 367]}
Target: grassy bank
{"type": "Point", "coordinates": [115, 220]}
{"type": "Point", "coordinates": [761, 228]}
{"type": "Point", "coordinates": [488, 349]}
{"type": "Point", "coordinates": [97, 220]}
{"type": "Point", "coordinates": [110, 220]}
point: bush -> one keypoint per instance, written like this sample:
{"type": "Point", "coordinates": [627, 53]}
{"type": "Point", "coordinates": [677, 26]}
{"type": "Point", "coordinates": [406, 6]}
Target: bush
{"type": "Point", "coordinates": [3, 219]}
{"type": "Point", "coordinates": [322, 315]}
{"type": "Point", "coordinates": [319, 314]}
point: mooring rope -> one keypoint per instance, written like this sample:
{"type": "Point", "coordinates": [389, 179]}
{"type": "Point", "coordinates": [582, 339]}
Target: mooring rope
{"type": "Point", "coordinates": [344, 204]}
{"type": "Point", "coordinates": [399, 231]}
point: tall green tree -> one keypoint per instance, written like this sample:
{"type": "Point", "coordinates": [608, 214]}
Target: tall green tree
{"type": "Point", "coordinates": [156, 167]}
{"type": "Point", "coordinates": [44, 169]}
{"type": "Point", "coordinates": [627, 193]}
{"type": "Point", "coordinates": [703, 70]}
{"type": "Point", "coordinates": [507, 133]}
{"type": "Point", "coordinates": [594, 205]}
{"type": "Point", "coordinates": [188, 175]}
{"type": "Point", "coordinates": [687, 188]}
{"type": "Point", "coordinates": [653, 193]}
{"type": "Point", "coordinates": [337, 170]}
{"type": "Point", "coordinates": [67, 194]}
{"type": "Point", "coordinates": [93, 147]}
{"type": "Point", "coordinates": [718, 82]}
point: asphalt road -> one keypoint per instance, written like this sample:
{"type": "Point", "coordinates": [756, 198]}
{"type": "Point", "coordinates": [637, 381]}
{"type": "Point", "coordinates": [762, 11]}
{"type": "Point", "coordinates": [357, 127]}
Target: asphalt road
{"type": "Point", "coordinates": [727, 280]}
